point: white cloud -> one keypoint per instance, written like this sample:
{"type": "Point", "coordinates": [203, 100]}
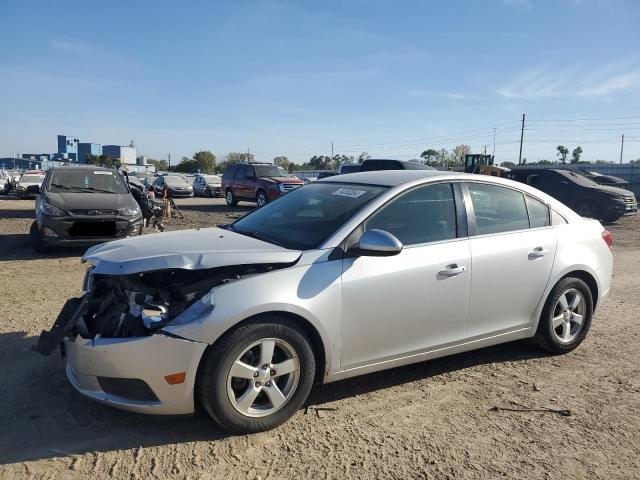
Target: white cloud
{"type": "Point", "coordinates": [583, 82]}
{"type": "Point", "coordinates": [430, 93]}
{"type": "Point", "coordinates": [69, 46]}
{"type": "Point", "coordinates": [524, 4]}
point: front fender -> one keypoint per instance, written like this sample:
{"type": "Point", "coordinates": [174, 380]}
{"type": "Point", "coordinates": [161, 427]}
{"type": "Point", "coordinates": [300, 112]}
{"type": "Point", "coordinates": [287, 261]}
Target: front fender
{"type": "Point", "coordinates": [308, 290]}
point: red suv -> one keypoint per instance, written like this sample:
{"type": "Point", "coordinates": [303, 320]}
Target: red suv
{"type": "Point", "coordinates": [256, 182]}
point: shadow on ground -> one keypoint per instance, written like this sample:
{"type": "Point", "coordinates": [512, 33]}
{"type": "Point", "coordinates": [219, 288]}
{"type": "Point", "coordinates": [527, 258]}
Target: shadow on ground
{"type": "Point", "coordinates": [54, 420]}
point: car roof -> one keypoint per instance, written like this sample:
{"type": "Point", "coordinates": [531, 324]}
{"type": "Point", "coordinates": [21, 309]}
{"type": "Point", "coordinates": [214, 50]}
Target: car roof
{"type": "Point", "coordinates": [80, 167]}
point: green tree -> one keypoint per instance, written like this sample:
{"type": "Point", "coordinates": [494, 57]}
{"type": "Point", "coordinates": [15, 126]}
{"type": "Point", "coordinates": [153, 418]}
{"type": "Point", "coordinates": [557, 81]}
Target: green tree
{"type": "Point", "coordinates": [562, 153]}
{"type": "Point", "coordinates": [363, 156]}
{"type": "Point", "coordinates": [459, 152]}
{"type": "Point", "coordinates": [186, 165]}
{"type": "Point", "coordinates": [545, 162]}
{"type": "Point", "coordinates": [205, 160]}
{"type": "Point", "coordinates": [575, 155]}
{"type": "Point", "coordinates": [103, 161]}
{"type": "Point", "coordinates": [430, 155]}
{"type": "Point", "coordinates": [508, 164]}
{"type": "Point", "coordinates": [161, 165]}
{"type": "Point", "coordinates": [234, 157]}
{"type": "Point", "coordinates": [636, 161]}
{"type": "Point", "coordinates": [282, 161]}
{"type": "Point", "coordinates": [320, 162]}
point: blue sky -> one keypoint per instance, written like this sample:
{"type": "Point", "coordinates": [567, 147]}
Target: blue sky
{"type": "Point", "coordinates": [288, 77]}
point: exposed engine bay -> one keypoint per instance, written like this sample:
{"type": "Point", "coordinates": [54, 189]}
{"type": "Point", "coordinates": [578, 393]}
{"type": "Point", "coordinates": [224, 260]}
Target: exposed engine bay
{"type": "Point", "coordinates": [137, 305]}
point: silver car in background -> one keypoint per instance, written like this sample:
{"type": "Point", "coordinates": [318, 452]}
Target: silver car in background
{"type": "Point", "coordinates": [348, 275]}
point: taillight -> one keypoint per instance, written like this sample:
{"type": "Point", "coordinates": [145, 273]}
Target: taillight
{"type": "Point", "coordinates": [607, 237]}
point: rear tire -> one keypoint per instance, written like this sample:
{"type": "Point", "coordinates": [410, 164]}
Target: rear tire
{"type": "Point", "coordinates": [35, 236]}
{"type": "Point", "coordinates": [230, 198]}
{"type": "Point", "coordinates": [254, 398]}
{"type": "Point", "coordinates": [566, 316]}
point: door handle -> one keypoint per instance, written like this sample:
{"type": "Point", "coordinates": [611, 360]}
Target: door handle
{"type": "Point", "coordinates": [538, 252]}
{"type": "Point", "coordinates": [451, 270]}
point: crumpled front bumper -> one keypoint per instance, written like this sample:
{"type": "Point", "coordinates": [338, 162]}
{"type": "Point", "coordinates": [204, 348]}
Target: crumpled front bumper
{"type": "Point", "coordinates": [92, 364]}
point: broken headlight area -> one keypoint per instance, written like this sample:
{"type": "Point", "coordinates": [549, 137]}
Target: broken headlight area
{"type": "Point", "coordinates": [137, 305]}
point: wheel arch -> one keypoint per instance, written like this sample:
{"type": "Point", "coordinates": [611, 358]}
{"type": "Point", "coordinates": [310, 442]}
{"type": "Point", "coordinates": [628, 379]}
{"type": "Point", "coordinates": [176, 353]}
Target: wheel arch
{"type": "Point", "coordinates": [315, 338]}
{"type": "Point", "coordinates": [587, 278]}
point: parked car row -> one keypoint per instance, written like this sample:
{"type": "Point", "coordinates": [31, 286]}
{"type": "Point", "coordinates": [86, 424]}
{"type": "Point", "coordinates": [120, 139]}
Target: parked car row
{"type": "Point", "coordinates": [26, 184]}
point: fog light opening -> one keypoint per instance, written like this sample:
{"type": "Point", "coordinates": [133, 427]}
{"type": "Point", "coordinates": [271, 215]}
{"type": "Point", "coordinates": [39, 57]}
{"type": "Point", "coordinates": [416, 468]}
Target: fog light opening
{"type": "Point", "coordinates": [48, 232]}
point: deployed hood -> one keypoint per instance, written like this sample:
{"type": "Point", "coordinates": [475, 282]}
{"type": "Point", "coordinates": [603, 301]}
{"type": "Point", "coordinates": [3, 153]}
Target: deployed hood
{"type": "Point", "coordinates": [184, 249]}
{"type": "Point", "coordinates": [90, 201]}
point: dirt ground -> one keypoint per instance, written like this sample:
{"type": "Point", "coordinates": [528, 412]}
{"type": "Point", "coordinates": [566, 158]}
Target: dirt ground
{"type": "Point", "coordinates": [431, 420]}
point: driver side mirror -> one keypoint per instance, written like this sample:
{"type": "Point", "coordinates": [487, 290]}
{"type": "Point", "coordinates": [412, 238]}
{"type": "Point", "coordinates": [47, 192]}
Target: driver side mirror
{"type": "Point", "coordinates": [378, 243]}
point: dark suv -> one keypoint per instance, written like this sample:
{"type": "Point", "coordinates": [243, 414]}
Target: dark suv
{"type": "Point", "coordinates": [584, 196]}
{"type": "Point", "coordinates": [372, 164]}
{"type": "Point", "coordinates": [256, 182]}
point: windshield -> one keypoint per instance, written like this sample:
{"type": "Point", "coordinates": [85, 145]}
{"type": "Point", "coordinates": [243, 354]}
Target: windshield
{"type": "Point", "coordinates": [175, 181]}
{"type": "Point", "coordinates": [31, 178]}
{"type": "Point", "coordinates": [579, 179]}
{"type": "Point", "coordinates": [304, 218]}
{"type": "Point", "coordinates": [86, 180]}
{"type": "Point", "coordinates": [211, 178]}
{"type": "Point", "coordinates": [270, 171]}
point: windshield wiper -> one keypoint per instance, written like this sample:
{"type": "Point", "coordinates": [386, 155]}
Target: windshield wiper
{"type": "Point", "coordinates": [259, 236]}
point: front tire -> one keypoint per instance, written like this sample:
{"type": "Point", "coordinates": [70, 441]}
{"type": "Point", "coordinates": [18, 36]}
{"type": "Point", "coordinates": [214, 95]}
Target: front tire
{"type": "Point", "coordinates": [566, 316]}
{"type": "Point", "coordinates": [35, 237]}
{"type": "Point", "coordinates": [261, 198]}
{"type": "Point", "coordinates": [256, 377]}
{"type": "Point", "coordinates": [208, 193]}
{"type": "Point", "coordinates": [588, 209]}
{"type": "Point", "coordinates": [229, 197]}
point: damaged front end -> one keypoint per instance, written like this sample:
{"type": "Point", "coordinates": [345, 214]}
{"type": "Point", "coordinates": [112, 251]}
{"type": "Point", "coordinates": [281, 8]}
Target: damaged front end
{"type": "Point", "coordinates": [140, 304]}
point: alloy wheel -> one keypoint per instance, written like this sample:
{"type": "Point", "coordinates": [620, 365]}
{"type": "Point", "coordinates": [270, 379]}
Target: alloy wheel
{"type": "Point", "coordinates": [569, 315]}
{"type": "Point", "coordinates": [262, 200]}
{"type": "Point", "coordinates": [263, 378]}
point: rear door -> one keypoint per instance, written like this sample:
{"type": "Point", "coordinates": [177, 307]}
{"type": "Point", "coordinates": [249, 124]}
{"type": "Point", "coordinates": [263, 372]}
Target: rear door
{"type": "Point", "coordinates": [512, 250]}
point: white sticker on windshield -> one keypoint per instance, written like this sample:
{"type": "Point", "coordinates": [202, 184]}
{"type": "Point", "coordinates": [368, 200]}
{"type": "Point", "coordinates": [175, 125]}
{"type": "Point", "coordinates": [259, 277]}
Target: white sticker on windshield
{"type": "Point", "coordinates": [349, 192]}
{"type": "Point", "coordinates": [102, 172]}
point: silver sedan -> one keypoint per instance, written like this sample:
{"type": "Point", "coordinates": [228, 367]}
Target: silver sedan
{"type": "Point", "coordinates": [345, 276]}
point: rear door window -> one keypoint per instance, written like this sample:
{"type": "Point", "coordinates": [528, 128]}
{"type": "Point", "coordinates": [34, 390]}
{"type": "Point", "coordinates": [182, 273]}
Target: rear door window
{"type": "Point", "coordinates": [498, 209]}
{"type": "Point", "coordinates": [538, 213]}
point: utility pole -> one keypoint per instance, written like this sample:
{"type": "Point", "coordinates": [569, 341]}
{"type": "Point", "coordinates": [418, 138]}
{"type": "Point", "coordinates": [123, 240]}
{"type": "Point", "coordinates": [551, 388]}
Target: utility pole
{"type": "Point", "coordinates": [331, 149]}
{"type": "Point", "coordinates": [485, 149]}
{"type": "Point", "coordinates": [494, 142]}
{"type": "Point", "coordinates": [621, 148]}
{"type": "Point", "coordinates": [521, 138]}
{"type": "Point", "coordinates": [169, 168]}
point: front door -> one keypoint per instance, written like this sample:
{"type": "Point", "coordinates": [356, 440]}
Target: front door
{"type": "Point", "coordinates": [414, 301]}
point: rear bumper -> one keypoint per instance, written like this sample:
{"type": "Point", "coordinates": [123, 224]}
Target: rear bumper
{"type": "Point", "coordinates": [146, 359]}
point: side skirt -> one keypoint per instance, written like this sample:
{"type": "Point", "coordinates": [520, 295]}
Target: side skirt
{"type": "Point", "coordinates": [438, 352]}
